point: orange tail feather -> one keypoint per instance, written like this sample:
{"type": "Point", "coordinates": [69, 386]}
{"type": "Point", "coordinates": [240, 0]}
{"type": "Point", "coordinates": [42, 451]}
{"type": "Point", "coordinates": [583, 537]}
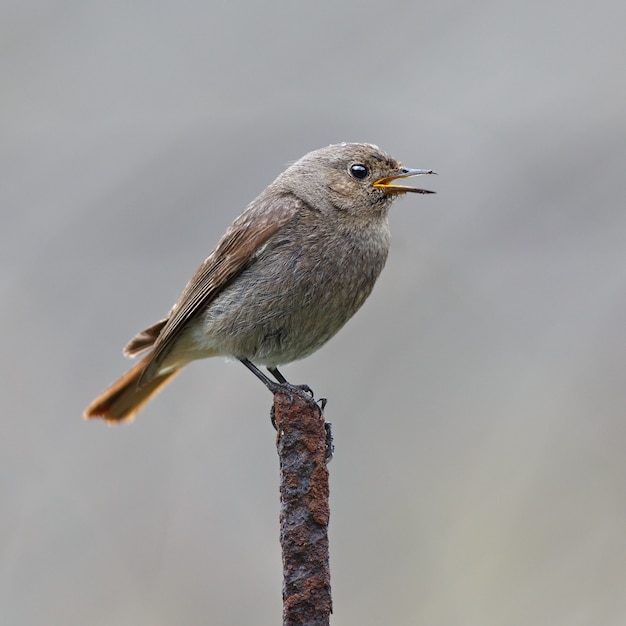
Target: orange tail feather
{"type": "Point", "coordinates": [121, 401]}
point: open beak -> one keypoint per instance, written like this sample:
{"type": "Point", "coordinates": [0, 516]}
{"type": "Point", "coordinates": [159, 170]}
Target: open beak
{"type": "Point", "coordinates": [386, 184]}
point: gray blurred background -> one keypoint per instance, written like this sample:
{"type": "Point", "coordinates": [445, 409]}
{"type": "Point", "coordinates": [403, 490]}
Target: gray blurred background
{"type": "Point", "coordinates": [478, 399]}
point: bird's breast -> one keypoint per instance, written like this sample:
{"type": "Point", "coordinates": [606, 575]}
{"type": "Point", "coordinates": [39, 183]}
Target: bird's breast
{"type": "Point", "coordinates": [300, 290]}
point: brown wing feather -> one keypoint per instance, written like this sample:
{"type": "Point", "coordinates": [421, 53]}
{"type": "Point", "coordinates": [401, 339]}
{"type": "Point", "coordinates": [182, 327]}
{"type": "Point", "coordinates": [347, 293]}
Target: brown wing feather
{"type": "Point", "coordinates": [234, 252]}
{"type": "Point", "coordinates": [144, 340]}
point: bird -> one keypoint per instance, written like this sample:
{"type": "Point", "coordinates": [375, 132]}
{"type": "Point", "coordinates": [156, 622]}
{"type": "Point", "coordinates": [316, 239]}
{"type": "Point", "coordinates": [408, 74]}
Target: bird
{"type": "Point", "coordinates": [284, 278]}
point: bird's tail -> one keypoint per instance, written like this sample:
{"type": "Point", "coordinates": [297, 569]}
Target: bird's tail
{"type": "Point", "coordinates": [121, 401]}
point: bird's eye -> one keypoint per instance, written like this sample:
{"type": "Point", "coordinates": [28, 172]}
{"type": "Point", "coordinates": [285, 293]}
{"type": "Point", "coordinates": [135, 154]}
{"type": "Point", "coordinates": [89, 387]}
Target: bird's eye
{"type": "Point", "coordinates": [359, 171]}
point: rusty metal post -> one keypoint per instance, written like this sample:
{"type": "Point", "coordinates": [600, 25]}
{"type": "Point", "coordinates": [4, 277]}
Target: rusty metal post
{"type": "Point", "coordinates": [304, 511]}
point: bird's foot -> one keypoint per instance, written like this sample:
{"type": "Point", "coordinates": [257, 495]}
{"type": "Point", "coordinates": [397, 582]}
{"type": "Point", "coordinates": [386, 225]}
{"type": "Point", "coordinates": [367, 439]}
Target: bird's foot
{"type": "Point", "coordinates": [291, 391]}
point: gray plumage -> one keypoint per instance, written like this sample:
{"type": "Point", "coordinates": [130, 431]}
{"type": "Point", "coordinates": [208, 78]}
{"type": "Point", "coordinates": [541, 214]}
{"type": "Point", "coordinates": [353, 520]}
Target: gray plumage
{"type": "Point", "coordinates": [285, 277]}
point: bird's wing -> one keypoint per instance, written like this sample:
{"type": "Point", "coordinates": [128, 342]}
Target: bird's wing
{"type": "Point", "coordinates": [236, 250]}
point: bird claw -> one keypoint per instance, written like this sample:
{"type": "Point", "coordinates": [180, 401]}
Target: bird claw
{"type": "Point", "coordinates": [302, 391]}
{"type": "Point", "coordinates": [305, 388]}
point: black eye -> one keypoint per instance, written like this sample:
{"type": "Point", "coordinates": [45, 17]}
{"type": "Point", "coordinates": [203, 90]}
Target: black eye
{"type": "Point", "coordinates": [359, 171]}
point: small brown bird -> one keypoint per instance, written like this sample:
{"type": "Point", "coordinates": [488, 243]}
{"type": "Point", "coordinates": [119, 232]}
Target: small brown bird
{"type": "Point", "coordinates": [290, 271]}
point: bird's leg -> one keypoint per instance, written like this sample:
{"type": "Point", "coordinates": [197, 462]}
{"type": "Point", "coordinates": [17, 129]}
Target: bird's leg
{"type": "Point", "coordinates": [268, 382]}
{"type": "Point", "coordinates": [282, 386]}
{"type": "Point", "coordinates": [276, 374]}
{"type": "Point", "coordinates": [283, 381]}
